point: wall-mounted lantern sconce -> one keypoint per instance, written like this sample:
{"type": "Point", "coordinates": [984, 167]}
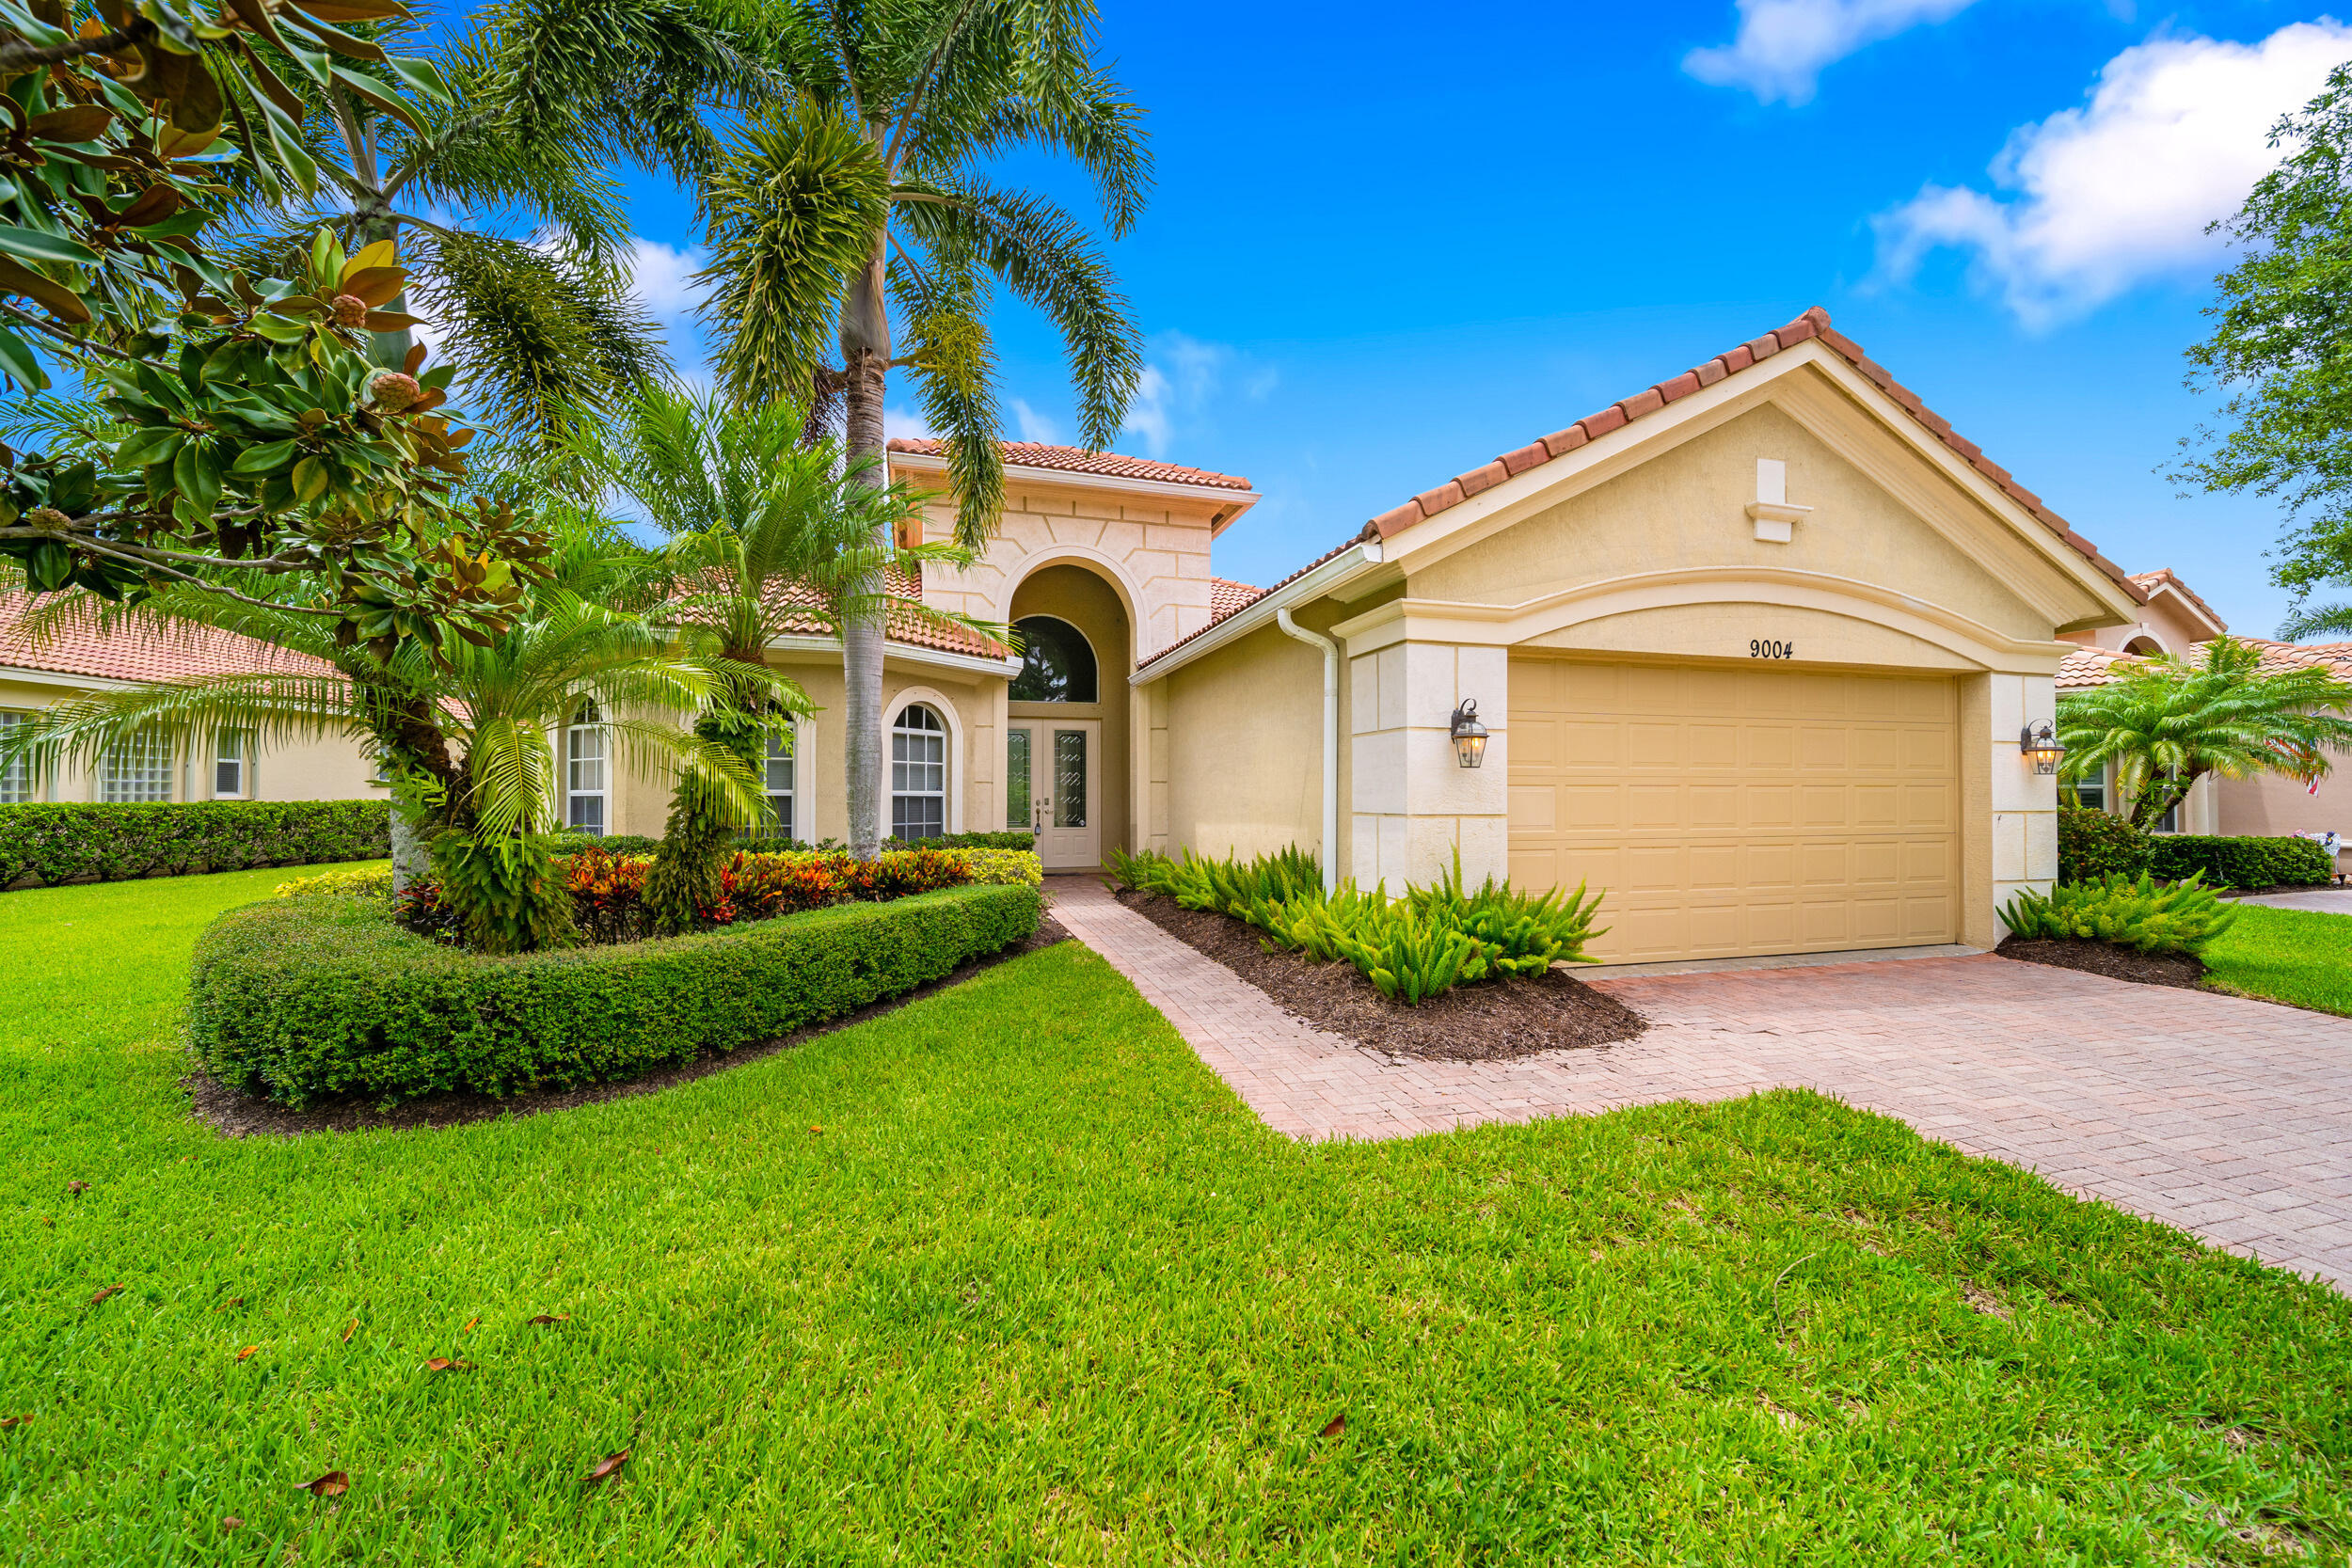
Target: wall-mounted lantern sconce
{"type": "Point", "coordinates": [2041, 745]}
{"type": "Point", "coordinates": [1469, 736]}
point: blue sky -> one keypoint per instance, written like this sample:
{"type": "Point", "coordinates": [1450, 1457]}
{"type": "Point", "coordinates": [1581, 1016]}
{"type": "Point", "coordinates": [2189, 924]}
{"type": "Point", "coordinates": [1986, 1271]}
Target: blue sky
{"type": "Point", "coordinates": [1387, 243]}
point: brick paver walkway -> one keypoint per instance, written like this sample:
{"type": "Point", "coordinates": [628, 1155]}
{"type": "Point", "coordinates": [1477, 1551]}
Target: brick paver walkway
{"type": "Point", "coordinates": [2227, 1117]}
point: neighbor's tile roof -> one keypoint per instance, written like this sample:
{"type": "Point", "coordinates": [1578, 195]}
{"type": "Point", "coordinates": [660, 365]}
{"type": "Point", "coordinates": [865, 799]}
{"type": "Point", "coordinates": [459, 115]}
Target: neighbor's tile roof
{"type": "Point", "coordinates": [1077, 460]}
{"type": "Point", "coordinates": [144, 656]}
{"type": "Point", "coordinates": [902, 627]}
{"type": "Point", "coordinates": [2086, 667]}
{"type": "Point", "coordinates": [2163, 577]}
{"type": "Point", "coordinates": [1226, 596]}
{"type": "Point", "coordinates": [1813, 325]}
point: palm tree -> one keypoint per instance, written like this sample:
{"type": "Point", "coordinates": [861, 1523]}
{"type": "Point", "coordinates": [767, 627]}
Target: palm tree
{"type": "Point", "coordinates": [527, 110]}
{"type": "Point", "coordinates": [869, 197]}
{"type": "Point", "coordinates": [2165, 723]}
{"type": "Point", "coordinates": [767, 535]}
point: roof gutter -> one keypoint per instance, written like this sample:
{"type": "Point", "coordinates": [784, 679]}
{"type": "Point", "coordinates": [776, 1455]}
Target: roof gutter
{"type": "Point", "coordinates": [1262, 612]}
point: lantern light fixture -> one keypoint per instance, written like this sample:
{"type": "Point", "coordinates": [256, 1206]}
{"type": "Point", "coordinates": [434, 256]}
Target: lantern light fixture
{"type": "Point", "coordinates": [1469, 736]}
{"type": "Point", "coordinates": [2040, 743]}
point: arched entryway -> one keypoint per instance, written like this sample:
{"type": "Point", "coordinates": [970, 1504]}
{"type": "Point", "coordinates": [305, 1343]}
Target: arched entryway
{"type": "Point", "coordinates": [1067, 763]}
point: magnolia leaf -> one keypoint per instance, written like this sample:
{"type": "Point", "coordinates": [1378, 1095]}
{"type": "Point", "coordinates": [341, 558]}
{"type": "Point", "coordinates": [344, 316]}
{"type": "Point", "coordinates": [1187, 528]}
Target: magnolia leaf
{"type": "Point", "coordinates": [374, 286]}
{"type": "Point", "coordinates": [390, 321]}
{"type": "Point", "coordinates": [1336, 1425]}
{"type": "Point", "coordinates": [377, 93]}
{"type": "Point", "coordinates": [368, 258]}
{"type": "Point", "coordinates": [544, 1318]}
{"type": "Point", "coordinates": [332, 1484]}
{"type": "Point", "coordinates": [172, 142]}
{"type": "Point", "coordinates": [246, 1351]}
{"type": "Point", "coordinates": [13, 1420]}
{"type": "Point", "coordinates": [440, 1364]}
{"type": "Point", "coordinates": [351, 11]}
{"type": "Point", "coordinates": [230, 1521]}
{"type": "Point", "coordinates": [280, 329]}
{"type": "Point", "coordinates": [35, 245]}
{"type": "Point", "coordinates": [610, 1464]}
{"type": "Point", "coordinates": [61, 301]}
{"type": "Point", "coordinates": [422, 76]}
{"type": "Point", "coordinates": [309, 480]}
{"type": "Point", "coordinates": [16, 358]}
{"type": "Point", "coordinates": [84, 123]}
{"type": "Point", "coordinates": [104, 1290]}
{"type": "Point", "coordinates": [349, 1329]}
{"type": "Point", "coordinates": [264, 459]}
{"type": "Point", "coordinates": [335, 38]}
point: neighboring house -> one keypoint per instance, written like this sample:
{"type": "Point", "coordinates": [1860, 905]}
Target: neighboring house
{"type": "Point", "coordinates": [236, 768]}
{"type": "Point", "coordinates": [2175, 621]}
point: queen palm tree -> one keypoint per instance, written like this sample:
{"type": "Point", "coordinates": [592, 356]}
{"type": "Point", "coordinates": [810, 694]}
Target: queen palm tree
{"type": "Point", "coordinates": [868, 200]}
{"type": "Point", "coordinates": [531, 105]}
{"type": "Point", "coordinates": [2165, 723]}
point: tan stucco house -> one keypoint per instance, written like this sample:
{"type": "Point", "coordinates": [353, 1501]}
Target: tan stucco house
{"type": "Point", "coordinates": [2175, 621]}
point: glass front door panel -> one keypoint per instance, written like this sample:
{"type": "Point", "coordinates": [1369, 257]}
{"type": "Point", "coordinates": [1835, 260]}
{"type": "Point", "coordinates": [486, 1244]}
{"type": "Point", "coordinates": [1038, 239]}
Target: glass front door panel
{"type": "Point", "coordinates": [1070, 778]}
{"type": "Point", "coordinates": [1017, 818]}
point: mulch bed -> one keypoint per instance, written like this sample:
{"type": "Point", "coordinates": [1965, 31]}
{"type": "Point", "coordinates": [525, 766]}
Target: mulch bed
{"type": "Point", "coordinates": [1490, 1021]}
{"type": "Point", "coordinates": [242, 1115]}
{"type": "Point", "coordinates": [2185, 969]}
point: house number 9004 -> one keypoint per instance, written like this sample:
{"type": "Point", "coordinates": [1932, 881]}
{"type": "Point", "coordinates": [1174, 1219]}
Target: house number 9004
{"type": "Point", "coordinates": [1766, 648]}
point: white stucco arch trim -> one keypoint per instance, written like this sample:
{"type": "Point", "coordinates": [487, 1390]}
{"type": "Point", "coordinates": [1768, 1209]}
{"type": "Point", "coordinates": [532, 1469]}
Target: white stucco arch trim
{"type": "Point", "coordinates": [1106, 567]}
{"type": "Point", "coordinates": [957, 760]}
{"type": "Point", "coordinates": [1446, 620]}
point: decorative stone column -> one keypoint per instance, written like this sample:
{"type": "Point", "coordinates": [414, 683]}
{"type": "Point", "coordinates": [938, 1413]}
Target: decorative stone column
{"type": "Point", "coordinates": [1412, 805]}
{"type": "Point", "coordinates": [2024, 803]}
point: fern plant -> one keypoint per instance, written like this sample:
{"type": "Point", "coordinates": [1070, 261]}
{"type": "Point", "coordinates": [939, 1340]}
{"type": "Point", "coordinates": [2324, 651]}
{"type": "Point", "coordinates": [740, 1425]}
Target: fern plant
{"type": "Point", "coordinates": [2151, 916]}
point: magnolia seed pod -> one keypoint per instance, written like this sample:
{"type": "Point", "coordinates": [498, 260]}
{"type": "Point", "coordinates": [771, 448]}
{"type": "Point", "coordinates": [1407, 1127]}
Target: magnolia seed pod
{"type": "Point", "coordinates": [350, 310]}
{"type": "Point", "coordinates": [393, 392]}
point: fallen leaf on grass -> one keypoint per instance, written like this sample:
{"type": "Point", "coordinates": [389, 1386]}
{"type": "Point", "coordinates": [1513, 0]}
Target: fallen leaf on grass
{"type": "Point", "coordinates": [441, 1365]}
{"type": "Point", "coordinates": [610, 1464]}
{"type": "Point", "coordinates": [552, 1318]}
{"type": "Point", "coordinates": [233, 1301]}
{"type": "Point", "coordinates": [471, 1324]}
{"type": "Point", "coordinates": [816, 1129]}
{"type": "Point", "coordinates": [1334, 1427]}
{"type": "Point", "coordinates": [349, 1329]}
{"type": "Point", "coordinates": [77, 1188]}
{"type": "Point", "coordinates": [105, 1290]}
{"type": "Point", "coordinates": [232, 1522]}
{"type": "Point", "coordinates": [13, 1420]}
{"type": "Point", "coordinates": [332, 1484]}
{"type": "Point", "coordinates": [247, 1350]}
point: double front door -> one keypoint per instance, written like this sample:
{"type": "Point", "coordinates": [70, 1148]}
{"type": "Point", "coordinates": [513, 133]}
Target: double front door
{"type": "Point", "coordinates": [1052, 787]}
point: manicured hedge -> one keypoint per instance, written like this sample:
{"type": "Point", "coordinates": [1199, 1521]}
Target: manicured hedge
{"type": "Point", "coordinates": [308, 999]}
{"type": "Point", "coordinates": [49, 844]}
{"type": "Point", "coordinates": [2096, 843]}
{"type": "Point", "coordinates": [2239, 862]}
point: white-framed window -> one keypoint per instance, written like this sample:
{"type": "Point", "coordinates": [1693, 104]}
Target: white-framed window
{"type": "Point", "coordinates": [782, 777]}
{"type": "Point", "coordinates": [135, 769]}
{"type": "Point", "coordinates": [2090, 790]}
{"type": "Point", "coordinates": [18, 783]}
{"type": "Point", "coordinates": [918, 773]}
{"type": "Point", "coordinates": [232, 764]}
{"type": "Point", "coordinates": [587, 770]}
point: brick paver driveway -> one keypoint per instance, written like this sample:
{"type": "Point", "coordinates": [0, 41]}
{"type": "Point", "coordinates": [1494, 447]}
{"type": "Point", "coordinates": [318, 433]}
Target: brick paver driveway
{"type": "Point", "coordinates": [2226, 1117]}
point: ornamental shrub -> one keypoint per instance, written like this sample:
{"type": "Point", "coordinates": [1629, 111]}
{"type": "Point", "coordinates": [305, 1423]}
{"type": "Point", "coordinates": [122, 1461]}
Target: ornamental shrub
{"type": "Point", "coordinates": [2151, 916]}
{"type": "Point", "coordinates": [2093, 844]}
{"type": "Point", "coordinates": [1411, 948]}
{"type": "Point", "coordinates": [308, 999]}
{"type": "Point", "coordinates": [2240, 862]}
{"type": "Point", "coordinates": [53, 843]}
{"type": "Point", "coordinates": [359, 881]}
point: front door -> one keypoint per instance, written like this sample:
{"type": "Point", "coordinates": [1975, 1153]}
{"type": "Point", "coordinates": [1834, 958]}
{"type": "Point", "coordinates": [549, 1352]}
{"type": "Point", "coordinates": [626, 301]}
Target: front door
{"type": "Point", "coordinates": [1053, 785]}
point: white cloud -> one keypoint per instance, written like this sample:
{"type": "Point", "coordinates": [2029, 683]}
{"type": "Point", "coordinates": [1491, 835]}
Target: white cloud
{"type": "Point", "coordinates": [1782, 45]}
{"type": "Point", "coordinates": [1183, 377]}
{"type": "Point", "coordinates": [1035, 426]}
{"type": "Point", "coordinates": [906, 425]}
{"type": "Point", "coordinates": [663, 279]}
{"type": "Point", "coordinates": [2121, 189]}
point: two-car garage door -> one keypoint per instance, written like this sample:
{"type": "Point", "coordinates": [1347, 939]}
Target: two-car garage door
{"type": "Point", "coordinates": [1732, 811]}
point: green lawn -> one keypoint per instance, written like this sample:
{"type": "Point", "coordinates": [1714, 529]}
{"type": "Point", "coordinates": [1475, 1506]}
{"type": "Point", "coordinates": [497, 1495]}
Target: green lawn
{"type": "Point", "coordinates": [2298, 956]}
{"type": "Point", "coordinates": [1041, 1290]}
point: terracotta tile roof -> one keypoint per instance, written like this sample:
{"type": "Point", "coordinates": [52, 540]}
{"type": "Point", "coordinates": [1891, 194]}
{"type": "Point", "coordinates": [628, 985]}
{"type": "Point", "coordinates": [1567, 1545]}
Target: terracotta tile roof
{"type": "Point", "coordinates": [143, 656]}
{"type": "Point", "coordinates": [1226, 596]}
{"type": "Point", "coordinates": [902, 626]}
{"type": "Point", "coordinates": [1218, 615]}
{"type": "Point", "coordinates": [2148, 582]}
{"type": "Point", "coordinates": [1811, 327]}
{"type": "Point", "coordinates": [1077, 460]}
{"type": "Point", "coordinates": [2086, 667]}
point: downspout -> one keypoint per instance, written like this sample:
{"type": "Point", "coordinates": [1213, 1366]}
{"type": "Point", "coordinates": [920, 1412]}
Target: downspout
{"type": "Point", "coordinates": [1330, 740]}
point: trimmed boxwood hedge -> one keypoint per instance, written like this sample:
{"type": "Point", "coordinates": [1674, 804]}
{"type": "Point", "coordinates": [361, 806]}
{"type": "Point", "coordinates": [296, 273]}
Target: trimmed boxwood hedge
{"type": "Point", "coordinates": [2093, 844]}
{"type": "Point", "coordinates": [309, 999]}
{"type": "Point", "coordinates": [2239, 862]}
{"type": "Point", "coordinates": [64, 842]}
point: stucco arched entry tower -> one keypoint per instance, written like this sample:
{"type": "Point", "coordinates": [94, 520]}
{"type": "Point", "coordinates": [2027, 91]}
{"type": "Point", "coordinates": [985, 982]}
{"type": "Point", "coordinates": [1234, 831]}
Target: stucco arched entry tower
{"type": "Point", "coordinates": [1075, 613]}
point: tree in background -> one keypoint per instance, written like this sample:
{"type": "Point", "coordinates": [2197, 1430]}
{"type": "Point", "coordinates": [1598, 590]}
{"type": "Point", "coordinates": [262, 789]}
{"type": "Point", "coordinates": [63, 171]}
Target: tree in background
{"type": "Point", "coordinates": [857, 232]}
{"type": "Point", "coordinates": [2165, 723]}
{"type": "Point", "coordinates": [2280, 354]}
{"type": "Point", "coordinates": [767, 535]}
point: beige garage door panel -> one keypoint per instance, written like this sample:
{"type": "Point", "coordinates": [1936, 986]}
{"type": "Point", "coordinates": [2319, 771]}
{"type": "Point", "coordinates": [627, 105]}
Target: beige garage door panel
{"type": "Point", "coordinates": [1732, 811]}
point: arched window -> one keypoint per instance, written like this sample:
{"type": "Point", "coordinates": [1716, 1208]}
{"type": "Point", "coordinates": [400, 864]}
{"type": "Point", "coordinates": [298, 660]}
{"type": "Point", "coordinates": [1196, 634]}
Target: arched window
{"type": "Point", "coordinates": [918, 773]}
{"type": "Point", "coordinates": [587, 771]}
{"type": "Point", "coordinates": [1057, 663]}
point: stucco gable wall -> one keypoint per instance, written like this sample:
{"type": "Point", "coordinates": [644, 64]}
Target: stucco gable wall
{"type": "Point", "coordinates": [2164, 618]}
{"type": "Point", "coordinates": [1155, 552]}
{"type": "Point", "coordinates": [1686, 508]}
